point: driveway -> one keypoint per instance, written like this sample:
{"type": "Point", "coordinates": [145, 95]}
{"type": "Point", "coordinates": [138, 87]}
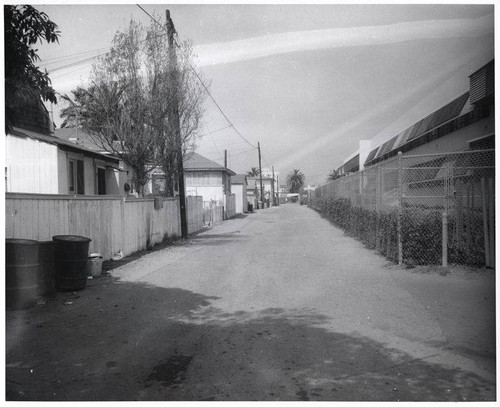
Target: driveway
{"type": "Point", "coordinates": [275, 305]}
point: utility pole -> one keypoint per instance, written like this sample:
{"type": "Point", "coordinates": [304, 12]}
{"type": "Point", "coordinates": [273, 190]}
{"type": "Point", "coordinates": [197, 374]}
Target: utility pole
{"type": "Point", "coordinates": [225, 158]}
{"type": "Point", "coordinates": [272, 189]}
{"type": "Point", "coordinates": [174, 119]}
{"type": "Point", "coordinates": [260, 174]}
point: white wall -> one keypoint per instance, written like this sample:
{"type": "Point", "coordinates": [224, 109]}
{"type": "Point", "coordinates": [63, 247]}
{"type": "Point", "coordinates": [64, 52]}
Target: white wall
{"type": "Point", "coordinates": [36, 167]}
{"type": "Point", "coordinates": [240, 196]}
{"type": "Point", "coordinates": [31, 166]}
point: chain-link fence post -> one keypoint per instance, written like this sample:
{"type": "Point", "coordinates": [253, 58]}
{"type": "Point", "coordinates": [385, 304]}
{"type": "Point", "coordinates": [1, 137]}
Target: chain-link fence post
{"type": "Point", "coordinates": [491, 226]}
{"type": "Point", "coordinates": [378, 201]}
{"type": "Point", "coordinates": [485, 222]}
{"type": "Point", "coordinates": [444, 260]}
{"type": "Point", "coordinates": [444, 246]}
{"type": "Point", "coordinates": [400, 207]}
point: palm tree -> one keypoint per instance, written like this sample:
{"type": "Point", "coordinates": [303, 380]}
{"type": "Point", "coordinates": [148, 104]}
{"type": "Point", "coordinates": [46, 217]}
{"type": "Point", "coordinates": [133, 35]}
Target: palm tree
{"type": "Point", "coordinates": [295, 180]}
{"type": "Point", "coordinates": [254, 172]}
{"type": "Point", "coordinates": [333, 175]}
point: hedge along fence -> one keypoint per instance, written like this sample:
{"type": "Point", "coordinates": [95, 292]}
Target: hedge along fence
{"type": "Point", "coordinates": [421, 232]}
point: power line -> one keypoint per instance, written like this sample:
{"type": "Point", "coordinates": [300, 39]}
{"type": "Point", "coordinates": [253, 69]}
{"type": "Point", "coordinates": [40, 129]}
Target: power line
{"type": "Point", "coordinates": [201, 81]}
{"type": "Point", "coordinates": [59, 68]}
{"type": "Point", "coordinates": [53, 61]}
{"type": "Point", "coordinates": [242, 152]}
{"type": "Point", "coordinates": [67, 73]}
{"type": "Point", "coordinates": [215, 131]}
{"type": "Point", "coordinates": [70, 56]}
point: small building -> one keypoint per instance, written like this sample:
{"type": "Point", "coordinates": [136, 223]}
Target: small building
{"type": "Point", "coordinates": [239, 185]}
{"type": "Point", "coordinates": [40, 163]}
{"type": "Point", "coordinates": [254, 192]}
{"type": "Point", "coordinates": [202, 177]}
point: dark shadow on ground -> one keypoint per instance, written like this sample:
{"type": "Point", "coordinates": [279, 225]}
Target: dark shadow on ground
{"type": "Point", "coordinates": [240, 216]}
{"type": "Point", "coordinates": [111, 264]}
{"type": "Point", "coordinates": [132, 341]}
{"type": "Point", "coordinates": [218, 239]}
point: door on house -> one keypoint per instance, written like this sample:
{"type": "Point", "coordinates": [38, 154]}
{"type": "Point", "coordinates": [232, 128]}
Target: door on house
{"type": "Point", "coordinates": [101, 181]}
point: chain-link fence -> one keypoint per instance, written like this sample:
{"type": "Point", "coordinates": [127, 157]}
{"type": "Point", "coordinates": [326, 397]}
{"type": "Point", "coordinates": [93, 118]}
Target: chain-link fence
{"type": "Point", "coordinates": [419, 209]}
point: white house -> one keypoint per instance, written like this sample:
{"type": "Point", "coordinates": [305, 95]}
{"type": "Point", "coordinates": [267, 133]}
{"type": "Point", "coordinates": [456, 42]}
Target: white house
{"type": "Point", "coordinates": [38, 162]}
{"type": "Point", "coordinates": [202, 177]}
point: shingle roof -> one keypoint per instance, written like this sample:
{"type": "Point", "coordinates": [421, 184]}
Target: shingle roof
{"type": "Point", "coordinates": [198, 162]}
{"type": "Point", "coordinates": [72, 133]}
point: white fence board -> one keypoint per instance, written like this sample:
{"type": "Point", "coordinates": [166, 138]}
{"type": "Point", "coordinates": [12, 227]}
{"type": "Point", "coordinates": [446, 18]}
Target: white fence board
{"type": "Point", "coordinates": [112, 223]}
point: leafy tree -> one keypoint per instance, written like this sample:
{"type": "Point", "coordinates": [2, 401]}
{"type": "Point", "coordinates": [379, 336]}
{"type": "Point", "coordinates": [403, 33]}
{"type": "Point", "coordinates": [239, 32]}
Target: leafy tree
{"type": "Point", "coordinates": [295, 180]}
{"type": "Point", "coordinates": [254, 172]}
{"type": "Point", "coordinates": [333, 175]}
{"type": "Point", "coordinates": [25, 84]}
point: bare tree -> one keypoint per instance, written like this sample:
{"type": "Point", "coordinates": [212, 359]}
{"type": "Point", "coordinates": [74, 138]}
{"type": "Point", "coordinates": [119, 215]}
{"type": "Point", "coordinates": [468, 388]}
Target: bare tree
{"type": "Point", "coordinates": [184, 92]}
{"type": "Point", "coordinates": [126, 109]}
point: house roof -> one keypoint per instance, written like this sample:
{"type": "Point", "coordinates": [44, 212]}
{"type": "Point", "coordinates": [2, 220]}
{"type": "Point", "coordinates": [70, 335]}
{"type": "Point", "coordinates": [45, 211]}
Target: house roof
{"type": "Point", "coordinates": [197, 162]}
{"type": "Point", "coordinates": [77, 136]}
{"type": "Point", "coordinates": [64, 144]}
{"type": "Point", "coordinates": [239, 179]}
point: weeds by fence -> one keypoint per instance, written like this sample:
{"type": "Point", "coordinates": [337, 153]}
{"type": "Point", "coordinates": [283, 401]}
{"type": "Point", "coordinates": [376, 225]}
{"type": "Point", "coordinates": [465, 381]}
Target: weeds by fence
{"type": "Point", "coordinates": [425, 209]}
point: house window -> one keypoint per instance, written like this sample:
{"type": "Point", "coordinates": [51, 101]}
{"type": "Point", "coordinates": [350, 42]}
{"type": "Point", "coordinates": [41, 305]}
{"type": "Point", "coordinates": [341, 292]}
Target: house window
{"type": "Point", "coordinates": [101, 181]}
{"type": "Point", "coordinates": [76, 177]}
{"type": "Point", "coordinates": [71, 175]}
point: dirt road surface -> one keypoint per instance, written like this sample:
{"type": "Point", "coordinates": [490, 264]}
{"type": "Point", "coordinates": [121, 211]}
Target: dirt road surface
{"type": "Point", "coordinates": [275, 305]}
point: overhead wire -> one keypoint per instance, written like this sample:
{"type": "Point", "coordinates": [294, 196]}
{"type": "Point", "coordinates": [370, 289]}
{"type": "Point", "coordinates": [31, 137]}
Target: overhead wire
{"type": "Point", "coordinates": [215, 131]}
{"type": "Point", "coordinates": [67, 73]}
{"type": "Point", "coordinates": [59, 68]}
{"type": "Point", "coordinates": [200, 80]}
{"type": "Point", "coordinates": [69, 56]}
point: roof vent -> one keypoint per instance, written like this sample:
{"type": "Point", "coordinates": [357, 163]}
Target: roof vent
{"type": "Point", "coordinates": [482, 83]}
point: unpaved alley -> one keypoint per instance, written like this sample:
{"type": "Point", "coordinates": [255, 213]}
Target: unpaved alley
{"type": "Point", "coordinates": [274, 305]}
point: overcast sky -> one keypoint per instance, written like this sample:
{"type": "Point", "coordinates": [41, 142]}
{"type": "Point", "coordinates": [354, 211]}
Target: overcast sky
{"type": "Point", "coordinates": [306, 81]}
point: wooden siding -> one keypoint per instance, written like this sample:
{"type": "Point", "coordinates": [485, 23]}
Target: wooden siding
{"type": "Point", "coordinates": [112, 223]}
{"type": "Point", "coordinates": [194, 213]}
{"type": "Point", "coordinates": [230, 206]}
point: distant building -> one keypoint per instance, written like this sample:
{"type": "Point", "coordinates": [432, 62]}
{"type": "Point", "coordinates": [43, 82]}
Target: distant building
{"type": "Point", "coordinates": [202, 177]}
{"type": "Point", "coordinates": [254, 191]}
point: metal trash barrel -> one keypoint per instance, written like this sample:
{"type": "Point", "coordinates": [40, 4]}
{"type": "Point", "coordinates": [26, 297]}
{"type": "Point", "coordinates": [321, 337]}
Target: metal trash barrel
{"type": "Point", "coordinates": [21, 279]}
{"type": "Point", "coordinates": [46, 268]}
{"type": "Point", "coordinates": [70, 258]}
{"type": "Point", "coordinates": [94, 265]}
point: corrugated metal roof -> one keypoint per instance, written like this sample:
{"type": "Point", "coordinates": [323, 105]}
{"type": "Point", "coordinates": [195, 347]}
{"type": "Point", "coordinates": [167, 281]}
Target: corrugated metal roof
{"type": "Point", "coordinates": [352, 165]}
{"type": "Point", "coordinates": [387, 146]}
{"type": "Point", "coordinates": [372, 154]}
{"type": "Point", "coordinates": [446, 113]}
